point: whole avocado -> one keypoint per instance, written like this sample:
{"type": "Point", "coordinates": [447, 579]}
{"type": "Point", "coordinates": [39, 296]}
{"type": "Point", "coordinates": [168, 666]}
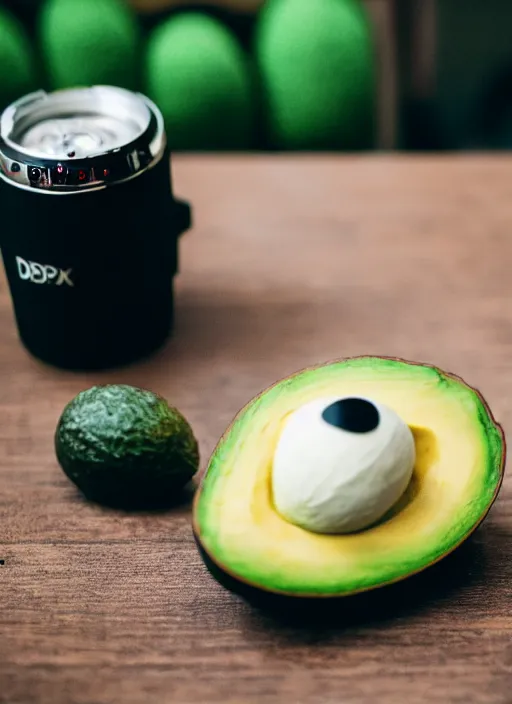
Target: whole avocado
{"type": "Point", "coordinates": [198, 75]}
{"type": "Point", "coordinates": [125, 446]}
{"type": "Point", "coordinates": [317, 66]}
{"type": "Point", "coordinates": [88, 43]}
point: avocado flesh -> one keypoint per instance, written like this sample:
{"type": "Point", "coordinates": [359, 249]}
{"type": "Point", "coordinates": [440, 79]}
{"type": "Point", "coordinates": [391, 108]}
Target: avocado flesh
{"type": "Point", "coordinates": [459, 466]}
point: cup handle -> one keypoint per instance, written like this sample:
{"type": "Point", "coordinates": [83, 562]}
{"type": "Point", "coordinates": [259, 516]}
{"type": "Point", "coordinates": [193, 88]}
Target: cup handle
{"type": "Point", "coordinates": [182, 216]}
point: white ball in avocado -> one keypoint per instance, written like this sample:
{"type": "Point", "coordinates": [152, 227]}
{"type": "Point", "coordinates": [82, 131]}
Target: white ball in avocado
{"type": "Point", "coordinates": [340, 464]}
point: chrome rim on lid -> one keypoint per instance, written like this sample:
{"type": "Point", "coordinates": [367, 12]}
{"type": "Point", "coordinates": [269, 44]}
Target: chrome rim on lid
{"type": "Point", "coordinates": [79, 139]}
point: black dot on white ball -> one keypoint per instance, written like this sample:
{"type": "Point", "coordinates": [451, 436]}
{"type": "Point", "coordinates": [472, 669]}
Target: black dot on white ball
{"type": "Point", "coordinates": [355, 415]}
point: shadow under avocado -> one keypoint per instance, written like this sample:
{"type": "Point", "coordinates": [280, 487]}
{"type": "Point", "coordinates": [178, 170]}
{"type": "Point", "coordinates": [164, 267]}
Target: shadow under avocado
{"type": "Point", "coordinates": [439, 582]}
{"type": "Point", "coordinates": [142, 504]}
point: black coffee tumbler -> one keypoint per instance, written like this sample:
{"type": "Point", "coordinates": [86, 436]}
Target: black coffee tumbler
{"type": "Point", "coordinates": [90, 227]}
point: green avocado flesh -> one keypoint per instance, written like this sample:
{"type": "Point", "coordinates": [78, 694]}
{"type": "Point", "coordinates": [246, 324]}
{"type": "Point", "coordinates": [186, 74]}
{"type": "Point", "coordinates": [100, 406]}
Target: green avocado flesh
{"type": "Point", "coordinates": [122, 445]}
{"type": "Point", "coordinates": [460, 455]}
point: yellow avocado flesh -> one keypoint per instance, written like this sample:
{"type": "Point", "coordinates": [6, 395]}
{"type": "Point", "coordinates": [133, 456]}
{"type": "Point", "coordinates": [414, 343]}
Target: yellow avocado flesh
{"type": "Point", "coordinates": [460, 453]}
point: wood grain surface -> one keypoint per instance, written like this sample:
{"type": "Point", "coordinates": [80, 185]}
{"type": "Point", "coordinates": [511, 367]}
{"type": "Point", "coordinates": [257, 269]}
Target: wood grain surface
{"type": "Point", "coordinates": [292, 261]}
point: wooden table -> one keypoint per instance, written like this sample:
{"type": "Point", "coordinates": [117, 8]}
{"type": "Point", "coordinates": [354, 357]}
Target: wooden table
{"type": "Point", "coordinates": [292, 261]}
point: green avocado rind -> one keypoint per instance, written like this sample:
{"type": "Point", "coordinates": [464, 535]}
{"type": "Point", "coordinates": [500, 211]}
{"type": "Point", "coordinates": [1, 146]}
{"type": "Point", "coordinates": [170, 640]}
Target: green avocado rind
{"type": "Point", "coordinates": [317, 63]}
{"type": "Point", "coordinates": [241, 565]}
{"type": "Point", "coordinates": [199, 76]}
{"type": "Point", "coordinates": [89, 43]}
{"type": "Point", "coordinates": [122, 445]}
{"type": "Point", "coordinates": [17, 60]}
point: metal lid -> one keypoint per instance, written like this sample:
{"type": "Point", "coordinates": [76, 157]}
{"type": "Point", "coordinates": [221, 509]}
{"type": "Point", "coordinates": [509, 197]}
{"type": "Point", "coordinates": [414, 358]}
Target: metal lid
{"type": "Point", "coordinates": [79, 139]}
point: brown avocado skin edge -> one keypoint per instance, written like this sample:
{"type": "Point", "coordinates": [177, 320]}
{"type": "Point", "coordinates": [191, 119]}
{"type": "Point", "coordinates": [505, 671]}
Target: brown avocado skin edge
{"type": "Point", "coordinates": [255, 593]}
{"type": "Point", "coordinates": [372, 604]}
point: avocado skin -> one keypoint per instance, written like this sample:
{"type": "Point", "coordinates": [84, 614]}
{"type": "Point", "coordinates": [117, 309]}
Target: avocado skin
{"type": "Point", "coordinates": [320, 613]}
{"type": "Point", "coordinates": [17, 63]}
{"type": "Point", "coordinates": [318, 72]}
{"type": "Point", "coordinates": [88, 43]}
{"type": "Point", "coordinates": [350, 607]}
{"type": "Point", "coordinates": [126, 447]}
{"type": "Point", "coordinates": [199, 76]}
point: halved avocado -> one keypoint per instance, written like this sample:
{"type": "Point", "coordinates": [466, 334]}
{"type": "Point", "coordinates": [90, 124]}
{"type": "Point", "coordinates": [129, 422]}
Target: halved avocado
{"type": "Point", "coordinates": [460, 459]}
